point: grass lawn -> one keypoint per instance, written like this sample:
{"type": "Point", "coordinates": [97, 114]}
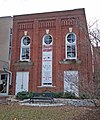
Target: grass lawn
{"type": "Point", "coordinates": [9, 112]}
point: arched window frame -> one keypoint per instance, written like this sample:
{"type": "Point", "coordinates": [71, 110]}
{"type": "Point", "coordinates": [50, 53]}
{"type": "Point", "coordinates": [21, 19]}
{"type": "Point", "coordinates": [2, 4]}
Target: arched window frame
{"type": "Point", "coordinates": [24, 50]}
{"type": "Point", "coordinates": [71, 47]}
{"type": "Point", "coordinates": [47, 47]}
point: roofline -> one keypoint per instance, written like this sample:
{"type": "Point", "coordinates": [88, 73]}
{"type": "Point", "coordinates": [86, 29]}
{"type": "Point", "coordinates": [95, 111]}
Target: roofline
{"type": "Point", "coordinates": [42, 13]}
{"type": "Point", "coordinates": [6, 17]}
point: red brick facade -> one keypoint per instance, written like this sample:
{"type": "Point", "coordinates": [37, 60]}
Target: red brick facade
{"type": "Point", "coordinates": [59, 24]}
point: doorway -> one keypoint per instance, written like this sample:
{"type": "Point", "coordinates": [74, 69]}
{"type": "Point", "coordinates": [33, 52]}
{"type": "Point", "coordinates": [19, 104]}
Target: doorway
{"type": "Point", "coordinates": [4, 83]}
{"type": "Point", "coordinates": [22, 80]}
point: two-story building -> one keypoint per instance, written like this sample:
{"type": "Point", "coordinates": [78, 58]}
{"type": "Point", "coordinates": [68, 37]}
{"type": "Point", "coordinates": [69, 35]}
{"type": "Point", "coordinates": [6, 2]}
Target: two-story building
{"type": "Point", "coordinates": [51, 52]}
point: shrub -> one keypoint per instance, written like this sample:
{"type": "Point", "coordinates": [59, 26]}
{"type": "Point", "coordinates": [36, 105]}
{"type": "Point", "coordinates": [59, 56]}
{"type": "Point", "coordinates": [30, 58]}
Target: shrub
{"type": "Point", "coordinates": [69, 95]}
{"type": "Point", "coordinates": [22, 95]}
{"type": "Point", "coordinates": [47, 94]}
{"type": "Point", "coordinates": [30, 94]}
{"type": "Point", "coordinates": [25, 95]}
{"type": "Point", "coordinates": [58, 94]}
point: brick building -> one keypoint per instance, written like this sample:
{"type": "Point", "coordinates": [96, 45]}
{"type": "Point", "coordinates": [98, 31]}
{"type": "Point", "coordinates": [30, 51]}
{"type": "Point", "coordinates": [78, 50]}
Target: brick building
{"type": "Point", "coordinates": [50, 52]}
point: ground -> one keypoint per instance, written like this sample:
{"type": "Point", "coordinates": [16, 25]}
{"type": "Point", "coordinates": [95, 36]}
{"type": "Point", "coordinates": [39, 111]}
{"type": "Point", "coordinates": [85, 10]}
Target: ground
{"type": "Point", "coordinates": [17, 112]}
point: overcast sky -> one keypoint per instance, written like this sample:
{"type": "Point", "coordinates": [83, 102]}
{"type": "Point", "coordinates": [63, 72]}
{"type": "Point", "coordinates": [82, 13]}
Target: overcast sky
{"type": "Point", "coordinates": [17, 7]}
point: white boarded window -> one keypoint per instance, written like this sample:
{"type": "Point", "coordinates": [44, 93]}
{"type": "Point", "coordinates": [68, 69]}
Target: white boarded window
{"type": "Point", "coordinates": [71, 82]}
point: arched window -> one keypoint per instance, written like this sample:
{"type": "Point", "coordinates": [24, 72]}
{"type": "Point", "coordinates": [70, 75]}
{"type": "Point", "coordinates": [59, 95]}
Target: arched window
{"type": "Point", "coordinates": [71, 50]}
{"type": "Point", "coordinates": [25, 49]}
{"type": "Point", "coordinates": [47, 60]}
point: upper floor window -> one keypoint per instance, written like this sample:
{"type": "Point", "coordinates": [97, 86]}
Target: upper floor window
{"type": "Point", "coordinates": [71, 50]}
{"type": "Point", "coordinates": [47, 39]}
{"type": "Point", "coordinates": [25, 49]}
{"type": "Point", "coordinates": [47, 60]}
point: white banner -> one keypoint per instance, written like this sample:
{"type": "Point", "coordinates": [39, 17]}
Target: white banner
{"type": "Point", "coordinates": [47, 65]}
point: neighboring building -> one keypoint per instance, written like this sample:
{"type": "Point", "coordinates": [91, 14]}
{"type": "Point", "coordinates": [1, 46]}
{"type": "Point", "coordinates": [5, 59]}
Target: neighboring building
{"type": "Point", "coordinates": [5, 52]}
{"type": "Point", "coordinates": [50, 52]}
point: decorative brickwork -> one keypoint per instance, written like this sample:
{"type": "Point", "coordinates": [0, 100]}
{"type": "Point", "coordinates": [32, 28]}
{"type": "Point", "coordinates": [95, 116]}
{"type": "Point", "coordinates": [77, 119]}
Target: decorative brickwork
{"type": "Point", "coordinates": [25, 26]}
{"type": "Point", "coordinates": [69, 21]}
{"type": "Point", "coordinates": [46, 24]}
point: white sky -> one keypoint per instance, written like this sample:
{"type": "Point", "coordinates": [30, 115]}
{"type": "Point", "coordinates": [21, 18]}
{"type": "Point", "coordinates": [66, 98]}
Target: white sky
{"type": "Point", "coordinates": [17, 7]}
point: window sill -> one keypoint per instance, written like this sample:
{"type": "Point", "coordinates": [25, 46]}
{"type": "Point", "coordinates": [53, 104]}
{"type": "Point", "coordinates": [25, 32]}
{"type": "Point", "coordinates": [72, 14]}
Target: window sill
{"type": "Point", "coordinates": [23, 65]}
{"type": "Point", "coordinates": [70, 61]}
{"type": "Point", "coordinates": [46, 86]}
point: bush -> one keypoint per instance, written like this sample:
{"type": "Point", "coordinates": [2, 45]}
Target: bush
{"type": "Point", "coordinates": [30, 94]}
{"type": "Point", "coordinates": [58, 94]}
{"type": "Point", "coordinates": [25, 95]}
{"type": "Point", "coordinates": [47, 94]}
{"type": "Point", "coordinates": [69, 95]}
{"type": "Point", "coordinates": [22, 95]}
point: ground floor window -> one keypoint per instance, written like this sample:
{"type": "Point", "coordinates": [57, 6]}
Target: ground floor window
{"type": "Point", "coordinates": [71, 82]}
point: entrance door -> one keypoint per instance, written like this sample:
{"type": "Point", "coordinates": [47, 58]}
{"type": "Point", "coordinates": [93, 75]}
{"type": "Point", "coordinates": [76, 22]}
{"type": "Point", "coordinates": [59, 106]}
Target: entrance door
{"type": "Point", "coordinates": [4, 83]}
{"type": "Point", "coordinates": [22, 79]}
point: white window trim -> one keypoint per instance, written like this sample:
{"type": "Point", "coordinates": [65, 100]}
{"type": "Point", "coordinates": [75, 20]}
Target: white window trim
{"type": "Point", "coordinates": [67, 43]}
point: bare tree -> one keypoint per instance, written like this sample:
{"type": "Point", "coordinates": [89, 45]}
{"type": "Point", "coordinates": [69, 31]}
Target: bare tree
{"type": "Point", "coordinates": [94, 33]}
{"type": "Point", "coordinates": [94, 40]}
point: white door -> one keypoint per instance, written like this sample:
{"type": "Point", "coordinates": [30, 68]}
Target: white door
{"type": "Point", "coordinates": [22, 79]}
